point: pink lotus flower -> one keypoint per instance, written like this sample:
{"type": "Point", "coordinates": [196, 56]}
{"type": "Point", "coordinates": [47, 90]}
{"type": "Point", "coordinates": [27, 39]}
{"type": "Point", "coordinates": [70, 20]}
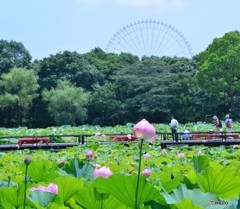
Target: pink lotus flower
{"type": "Point", "coordinates": [164, 151]}
{"type": "Point", "coordinates": [144, 130]}
{"type": "Point", "coordinates": [89, 155]}
{"type": "Point", "coordinates": [200, 152]}
{"type": "Point", "coordinates": [103, 172]}
{"type": "Point", "coordinates": [147, 156]}
{"type": "Point", "coordinates": [153, 139]}
{"type": "Point", "coordinates": [52, 188]}
{"type": "Point", "coordinates": [129, 136]}
{"type": "Point", "coordinates": [147, 172]}
{"type": "Point", "coordinates": [97, 134]}
{"type": "Point", "coordinates": [181, 155]}
{"type": "Point", "coordinates": [103, 135]}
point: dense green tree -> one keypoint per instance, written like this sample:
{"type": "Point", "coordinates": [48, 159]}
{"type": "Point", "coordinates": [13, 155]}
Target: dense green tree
{"type": "Point", "coordinates": [104, 105]}
{"type": "Point", "coordinates": [155, 88]}
{"type": "Point", "coordinates": [66, 103]}
{"type": "Point", "coordinates": [67, 65]}
{"type": "Point", "coordinates": [18, 89]}
{"type": "Point", "coordinates": [13, 54]}
{"type": "Point", "coordinates": [219, 72]}
{"type": "Point", "coordinates": [109, 63]}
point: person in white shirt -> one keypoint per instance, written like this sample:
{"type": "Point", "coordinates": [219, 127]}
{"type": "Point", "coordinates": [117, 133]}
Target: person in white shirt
{"type": "Point", "coordinates": [174, 125]}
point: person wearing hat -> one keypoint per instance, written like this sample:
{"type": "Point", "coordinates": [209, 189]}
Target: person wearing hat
{"type": "Point", "coordinates": [228, 123]}
{"type": "Point", "coordinates": [217, 123]}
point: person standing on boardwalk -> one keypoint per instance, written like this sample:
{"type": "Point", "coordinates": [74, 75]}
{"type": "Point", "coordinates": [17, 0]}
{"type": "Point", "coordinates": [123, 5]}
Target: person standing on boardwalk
{"type": "Point", "coordinates": [217, 123]}
{"type": "Point", "coordinates": [174, 125]}
{"type": "Point", "coordinates": [228, 123]}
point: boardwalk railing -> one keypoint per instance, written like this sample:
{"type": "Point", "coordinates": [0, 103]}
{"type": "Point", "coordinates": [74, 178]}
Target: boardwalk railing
{"type": "Point", "coordinates": [63, 141]}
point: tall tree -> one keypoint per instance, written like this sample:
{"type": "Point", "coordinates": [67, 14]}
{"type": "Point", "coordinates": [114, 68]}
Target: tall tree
{"type": "Point", "coordinates": [13, 54]}
{"type": "Point", "coordinates": [155, 88]}
{"type": "Point", "coordinates": [67, 65]}
{"type": "Point", "coordinates": [66, 103]}
{"type": "Point", "coordinates": [219, 70]}
{"type": "Point", "coordinates": [18, 89]}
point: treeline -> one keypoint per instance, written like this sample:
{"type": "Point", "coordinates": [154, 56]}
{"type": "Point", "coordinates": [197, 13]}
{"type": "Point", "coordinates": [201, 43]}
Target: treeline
{"type": "Point", "coordinates": [102, 88]}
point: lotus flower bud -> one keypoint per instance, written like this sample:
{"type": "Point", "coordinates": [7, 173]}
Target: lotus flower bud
{"type": "Point", "coordinates": [181, 155]}
{"type": "Point", "coordinates": [144, 130]}
{"type": "Point", "coordinates": [164, 151]}
{"type": "Point", "coordinates": [147, 172]}
{"type": "Point", "coordinates": [89, 155]}
{"type": "Point", "coordinates": [27, 160]}
{"type": "Point", "coordinates": [147, 156]}
{"type": "Point", "coordinates": [61, 164]}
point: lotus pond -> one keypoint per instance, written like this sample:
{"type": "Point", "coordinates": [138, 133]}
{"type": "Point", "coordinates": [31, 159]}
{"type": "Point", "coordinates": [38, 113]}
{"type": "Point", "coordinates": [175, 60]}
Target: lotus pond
{"type": "Point", "coordinates": [177, 177]}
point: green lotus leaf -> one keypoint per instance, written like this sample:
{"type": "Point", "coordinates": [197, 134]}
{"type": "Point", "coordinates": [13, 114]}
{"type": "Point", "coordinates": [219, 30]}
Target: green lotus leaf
{"type": "Point", "coordinates": [200, 163]}
{"type": "Point", "coordinates": [42, 171]}
{"type": "Point", "coordinates": [43, 198]}
{"type": "Point", "coordinates": [197, 197]}
{"type": "Point", "coordinates": [223, 181]}
{"type": "Point", "coordinates": [67, 187]}
{"type": "Point", "coordinates": [88, 197]}
{"type": "Point", "coordinates": [124, 189]}
{"type": "Point", "coordinates": [78, 169]}
{"type": "Point", "coordinates": [13, 197]}
{"type": "Point", "coordinates": [187, 203]}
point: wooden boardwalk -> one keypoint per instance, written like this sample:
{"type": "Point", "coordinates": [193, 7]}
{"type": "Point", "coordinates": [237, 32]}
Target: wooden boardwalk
{"type": "Point", "coordinates": [10, 147]}
{"type": "Point", "coordinates": [209, 143]}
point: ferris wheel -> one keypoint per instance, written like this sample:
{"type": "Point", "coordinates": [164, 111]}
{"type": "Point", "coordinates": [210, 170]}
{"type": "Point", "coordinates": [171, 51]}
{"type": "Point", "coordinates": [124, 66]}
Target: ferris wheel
{"type": "Point", "coordinates": [150, 38]}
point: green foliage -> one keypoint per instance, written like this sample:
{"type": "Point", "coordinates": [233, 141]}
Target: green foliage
{"type": "Point", "coordinates": [224, 181]}
{"type": "Point", "coordinates": [189, 182]}
{"type": "Point", "coordinates": [154, 87]}
{"type": "Point", "coordinates": [200, 163]}
{"type": "Point", "coordinates": [12, 197]}
{"type": "Point", "coordinates": [124, 189]}
{"type": "Point", "coordinates": [41, 171]}
{"type": "Point", "coordinates": [66, 103]}
{"type": "Point", "coordinates": [13, 54]}
{"type": "Point", "coordinates": [67, 187]}
{"type": "Point", "coordinates": [89, 197]}
{"type": "Point", "coordinates": [191, 198]}
{"type": "Point", "coordinates": [79, 169]}
{"type": "Point", "coordinates": [219, 70]}
{"type": "Point", "coordinates": [43, 198]}
{"type": "Point", "coordinates": [19, 87]}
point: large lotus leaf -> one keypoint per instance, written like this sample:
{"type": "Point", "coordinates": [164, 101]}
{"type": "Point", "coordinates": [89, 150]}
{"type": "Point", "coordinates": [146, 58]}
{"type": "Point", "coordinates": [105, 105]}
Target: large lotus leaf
{"type": "Point", "coordinates": [13, 196]}
{"type": "Point", "coordinates": [43, 198]}
{"type": "Point", "coordinates": [156, 205]}
{"type": "Point", "coordinates": [124, 189]}
{"type": "Point", "coordinates": [79, 170]}
{"type": "Point", "coordinates": [67, 187]}
{"type": "Point", "coordinates": [88, 197]}
{"type": "Point", "coordinates": [187, 203]}
{"type": "Point", "coordinates": [56, 206]}
{"type": "Point", "coordinates": [220, 180]}
{"type": "Point", "coordinates": [200, 163]}
{"type": "Point", "coordinates": [197, 197]}
{"type": "Point", "coordinates": [7, 183]}
{"type": "Point", "coordinates": [169, 185]}
{"type": "Point", "coordinates": [42, 171]}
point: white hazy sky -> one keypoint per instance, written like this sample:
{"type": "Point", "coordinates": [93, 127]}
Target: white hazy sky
{"type": "Point", "coordinates": [50, 26]}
